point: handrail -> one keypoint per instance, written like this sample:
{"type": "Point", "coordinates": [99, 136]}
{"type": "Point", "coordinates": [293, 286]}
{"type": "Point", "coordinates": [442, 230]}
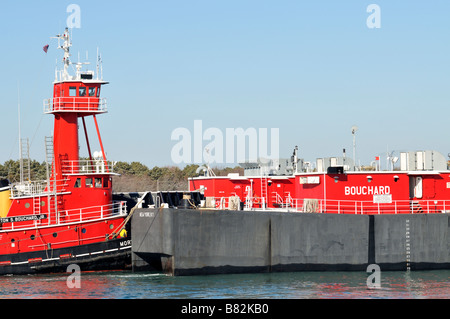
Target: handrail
{"type": "Point", "coordinates": [34, 188]}
{"type": "Point", "coordinates": [370, 208]}
{"type": "Point", "coordinates": [93, 212]}
{"type": "Point", "coordinates": [84, 214]}
{"type": "Point", "coordinates": [99, 166]}
{"type": "Point", "coordinates": [79, 104]}
{"type": "Point", "coordinates": [332, 206]}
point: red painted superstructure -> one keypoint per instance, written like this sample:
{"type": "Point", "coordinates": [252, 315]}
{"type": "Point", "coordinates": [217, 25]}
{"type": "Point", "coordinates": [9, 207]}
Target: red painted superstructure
{"type": "Point", "coordinates": [336, 190]}
{"type": "Point", "coordinates": [71, 217]}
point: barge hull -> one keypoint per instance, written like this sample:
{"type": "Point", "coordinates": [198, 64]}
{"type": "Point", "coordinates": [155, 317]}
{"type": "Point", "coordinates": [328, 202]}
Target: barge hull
{"type": "Point", "coordinates": [199, 242]}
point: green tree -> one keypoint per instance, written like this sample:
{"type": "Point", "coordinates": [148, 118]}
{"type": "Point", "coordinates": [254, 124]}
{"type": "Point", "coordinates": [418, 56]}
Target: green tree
{"type": "Point", "coordinates": [139, 169]}
{"type": "Point", "coordinates": [190, 170]}
{"type": "Point", "coordinates": [157, 172]}
{"type": "Point", "coordinates": [122, 168]}
{"type": "Point", "coordinates": [38, 170]}
{"type": "Point", "coordinates": [12, 170]}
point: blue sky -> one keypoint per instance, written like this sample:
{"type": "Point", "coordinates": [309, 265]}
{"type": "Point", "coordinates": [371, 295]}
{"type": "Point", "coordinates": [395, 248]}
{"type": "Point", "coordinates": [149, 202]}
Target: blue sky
{"type": "Point", "coordinates": [310, 68]}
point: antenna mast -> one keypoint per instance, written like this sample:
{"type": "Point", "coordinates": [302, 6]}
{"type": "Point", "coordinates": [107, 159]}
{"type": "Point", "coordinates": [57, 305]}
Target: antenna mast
{"type": "Point", "coordinates": [20, 137]}
{"type": "Point", "coordinates": [66, 47]}
{"type": "Point", "coordinates": [354, 129]}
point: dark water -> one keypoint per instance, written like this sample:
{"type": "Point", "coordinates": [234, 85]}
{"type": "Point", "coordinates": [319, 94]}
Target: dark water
{"type": "Point", "coordinates": [301, 285]}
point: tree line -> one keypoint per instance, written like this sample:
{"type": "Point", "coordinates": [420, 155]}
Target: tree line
{"type": "Point", "coordinates": [138, 177]}
{"type": "Point", "coordinates": [133, 177]}
{"type": "Point", "coordinates": [11, 170]}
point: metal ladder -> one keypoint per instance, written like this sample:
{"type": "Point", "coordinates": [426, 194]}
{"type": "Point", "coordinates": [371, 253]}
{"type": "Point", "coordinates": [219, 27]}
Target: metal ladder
{"type": "Point", "coordinates": [25, 170]}
{"type": "Point", "coordinates": [264, 192]}
{"type": "Point", "coordinates": [52, 202]}
{"type": "Point", "coordinates": [49, 155]}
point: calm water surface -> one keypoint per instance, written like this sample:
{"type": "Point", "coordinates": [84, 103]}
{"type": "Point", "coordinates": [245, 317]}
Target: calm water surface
{"type": "Point", "coordinates": [301, 285]}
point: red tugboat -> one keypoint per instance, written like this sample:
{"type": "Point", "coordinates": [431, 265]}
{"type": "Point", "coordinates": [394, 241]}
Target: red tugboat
{"type": "Point", "coordinates": [71, 217]}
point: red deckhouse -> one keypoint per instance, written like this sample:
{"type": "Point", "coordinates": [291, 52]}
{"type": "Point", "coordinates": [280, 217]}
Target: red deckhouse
{"type": "Point", "coordinates": [420, 184]}
{"type": "Point", "coordinates": [71, 217]}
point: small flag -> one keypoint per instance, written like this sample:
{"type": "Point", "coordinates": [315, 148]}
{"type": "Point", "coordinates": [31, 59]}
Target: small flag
{"type": "Point", "coordinates": [45, 48]}
{"type": "Point", "coordinates": [377, 158]}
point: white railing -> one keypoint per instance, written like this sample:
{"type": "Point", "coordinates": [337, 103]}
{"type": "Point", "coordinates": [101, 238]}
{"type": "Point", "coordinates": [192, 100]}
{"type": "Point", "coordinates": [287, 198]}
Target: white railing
{"type": "Point", "coordinates": [35, 188]}
{"type": "Point", "coordinates": [278, 199]}
{"type": "Point", "coordinates": [79, 104]}
{"type": "Point", "coordinates": [281, 202]}
{"type": "Point", "coordinates": [340, 206]}
{"type": "Point", "coordinates": [87, 167]}
{"type": "Point", "coordinates": [92, 213]}
{"type": "Point", "coordinates": [78, 215]}
{"type": "Point", "coordinates": [371, 208]}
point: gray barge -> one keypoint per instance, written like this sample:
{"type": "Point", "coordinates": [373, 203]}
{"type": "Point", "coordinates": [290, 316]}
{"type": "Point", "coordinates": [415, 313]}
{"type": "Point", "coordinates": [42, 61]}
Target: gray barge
{"type": "Point", "coordinates": [284, 216]}
{"type": "Point", "coordinates": [199, 242]}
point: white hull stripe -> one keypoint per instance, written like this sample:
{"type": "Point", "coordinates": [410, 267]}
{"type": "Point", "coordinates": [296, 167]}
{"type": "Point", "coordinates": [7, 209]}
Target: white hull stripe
{"type": "Point", "coordinates": [77, 256]}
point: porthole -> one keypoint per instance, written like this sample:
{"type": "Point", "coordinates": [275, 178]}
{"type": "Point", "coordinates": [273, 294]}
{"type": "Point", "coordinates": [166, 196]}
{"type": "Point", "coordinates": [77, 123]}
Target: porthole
{"type": "Point", "coordinates": [83, 230]}
{"type": "Point", "coordinates": [42, 203]}
{"type": "Point", "coordinates": [111, 226]}
{"type": "Point", "coordinates": [27, 205]}
{"type": "Point", "coordinates": [55, 235]}
{"type": "Point", "coordinates": [32, 237]}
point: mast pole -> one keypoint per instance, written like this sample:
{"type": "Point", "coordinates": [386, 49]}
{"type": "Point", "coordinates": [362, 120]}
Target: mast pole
{"type": "Point", "coordinates": [20, 136]}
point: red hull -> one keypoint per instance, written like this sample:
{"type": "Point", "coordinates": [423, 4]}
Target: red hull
{"type": "Point", "coordinates": [368, 192]}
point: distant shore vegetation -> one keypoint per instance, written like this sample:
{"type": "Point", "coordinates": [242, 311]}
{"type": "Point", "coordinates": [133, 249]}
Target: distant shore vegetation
{"type": "Point", "coordinates": [133, 177]}
{"type": "Point", "coordinates": [137, 177]}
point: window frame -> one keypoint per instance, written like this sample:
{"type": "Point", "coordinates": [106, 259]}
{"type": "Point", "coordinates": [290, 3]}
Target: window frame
{"type": "Point", "coordinates": [73, 90]}
{"type": "Point", "coordinates": [89, 182]}
{"type": "Point", "coordinates": [80, 88]}
{"type": "Point", "coordinates": [98, 183]}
